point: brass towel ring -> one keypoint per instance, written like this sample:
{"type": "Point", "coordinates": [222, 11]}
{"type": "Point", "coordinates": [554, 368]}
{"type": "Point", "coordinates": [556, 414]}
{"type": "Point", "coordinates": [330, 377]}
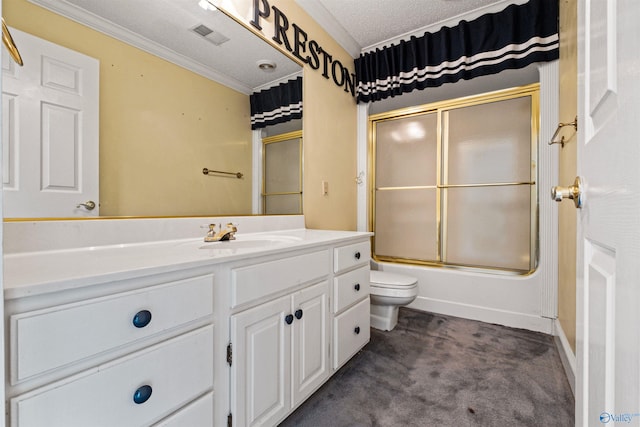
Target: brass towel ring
{"type": "Point", "coordinates": [10, 44]}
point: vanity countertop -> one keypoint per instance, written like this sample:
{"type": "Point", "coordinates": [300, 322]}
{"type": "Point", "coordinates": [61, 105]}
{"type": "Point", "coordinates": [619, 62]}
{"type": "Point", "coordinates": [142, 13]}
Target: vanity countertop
{"type": "Point", "coordinates": [34, 273]}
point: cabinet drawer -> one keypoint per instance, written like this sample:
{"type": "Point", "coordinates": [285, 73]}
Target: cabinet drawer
{"type": "Point", "coordinates": [72, 332]}
{"type": "Point", "coordinates": [350, 287]}
{"type": "Point", "coordinates": [257, 281]}
{"type": "Point", "coordinates": [349, 256]}
{"type": "Point", "coordinates": [198, 413]}
{"type": "Point", "coordinates": [351, 332]}
{"type": "Point", "coordinates": [178, 370]}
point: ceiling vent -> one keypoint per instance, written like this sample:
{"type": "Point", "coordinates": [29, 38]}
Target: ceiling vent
{"type": "Point", "coordinates": [210, 35]}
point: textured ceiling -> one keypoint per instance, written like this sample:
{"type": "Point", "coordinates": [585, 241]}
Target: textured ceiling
{"type": "Point", "coordinates": [370, 23]}
{"type": "Point", "coordinates": [373, 21]}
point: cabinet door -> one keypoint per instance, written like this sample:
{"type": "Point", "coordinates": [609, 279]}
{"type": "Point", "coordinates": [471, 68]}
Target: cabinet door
{"type": "Point", "coordinates": [261, 368]}
{"type": "Point", "coordinates": [310, 340]}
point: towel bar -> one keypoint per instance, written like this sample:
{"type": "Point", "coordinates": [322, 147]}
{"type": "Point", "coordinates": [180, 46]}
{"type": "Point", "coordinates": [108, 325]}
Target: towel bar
{"type": "Point", "coordinates": [206, 171]}
{"type": "Point", "coordinates": [574, 123]}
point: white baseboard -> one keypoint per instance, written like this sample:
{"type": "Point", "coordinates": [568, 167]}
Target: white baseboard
{"type": "Point", "coordinates": [566, 355]}
{"type": "Point", "coordinates": [485, 314]}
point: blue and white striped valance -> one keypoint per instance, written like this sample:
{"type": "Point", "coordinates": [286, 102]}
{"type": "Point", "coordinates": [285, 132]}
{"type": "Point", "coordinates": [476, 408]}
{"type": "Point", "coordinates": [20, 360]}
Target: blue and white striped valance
{"type": "Point", "coordinates": [278, 104]}
{"type": "Point", "coordinates": [514, 38]}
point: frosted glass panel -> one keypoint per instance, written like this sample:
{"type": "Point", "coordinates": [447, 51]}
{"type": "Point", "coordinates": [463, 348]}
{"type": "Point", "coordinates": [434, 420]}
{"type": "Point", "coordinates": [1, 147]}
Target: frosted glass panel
{"type": "Point", "coordinates": [490, 142]}
{"type": "Point", "coordinates": [282, 166]}
{"type": "Point", "coordinates": [406, 224]}
{"type": "Point", "coordinates": [406, 151]}
{"type": "Point", "coordinates": [283, 204]}
{"type": "Point", "coordinates": [463, 218]}
{"type": "Point", "coordinates": [489, 226]}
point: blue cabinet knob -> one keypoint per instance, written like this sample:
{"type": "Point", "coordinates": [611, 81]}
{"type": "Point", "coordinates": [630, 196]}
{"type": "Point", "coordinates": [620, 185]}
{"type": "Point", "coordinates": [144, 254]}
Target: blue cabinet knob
{"type": "Point", "coordinates": [357, 330]}
{"type": "Point", "coordinates": [298, 314]}
{"type": "Point", "coordinates": [357, 287]}
{"type": "Point", "coordinates": [142, 318]}
{"type": "Point", "coordinates": [288, 319]}
{"type": "Point", "coordinates": [142, 394]}
{"type": "Point", "coordinates": [357, 255]}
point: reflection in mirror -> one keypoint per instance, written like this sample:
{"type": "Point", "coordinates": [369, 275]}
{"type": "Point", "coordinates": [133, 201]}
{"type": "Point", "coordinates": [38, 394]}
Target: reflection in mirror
{"type": "Point", "coordinates": [282, 172]}
{"type": "Point", "coordinates": [173, 105]}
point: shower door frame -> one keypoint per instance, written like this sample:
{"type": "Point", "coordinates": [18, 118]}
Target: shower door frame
{"type": "Point", "coordinates": [533, 91]}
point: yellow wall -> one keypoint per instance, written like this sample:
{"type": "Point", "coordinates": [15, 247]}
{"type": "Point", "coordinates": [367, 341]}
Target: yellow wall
{"type": "Point", "coordinates": [329, 124]}
{"type": "Point", "coordinates": [159, 126]}
{"type": "Point", "coordinates": [567, 212]}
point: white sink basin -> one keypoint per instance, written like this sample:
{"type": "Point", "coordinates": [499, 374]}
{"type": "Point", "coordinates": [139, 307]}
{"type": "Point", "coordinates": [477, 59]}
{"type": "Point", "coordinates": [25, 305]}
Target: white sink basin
{"type": "Point", "coordinates": [253, 241]}
{"type": "Point", "coordinates": [239, 244]}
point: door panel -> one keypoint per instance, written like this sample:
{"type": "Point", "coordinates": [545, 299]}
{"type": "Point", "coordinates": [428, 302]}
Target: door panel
{"type": "Point", "coordinates": [600, 273]}
{"type": "Point", "coordinates": [50, 130]}
{"type": "Point", "coordinates": [608, 238]}
{"type": "Point", "coordinates": [60, 151]}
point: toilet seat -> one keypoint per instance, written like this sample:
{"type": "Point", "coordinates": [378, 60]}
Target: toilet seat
{"type": "Point", "coordinates": [400, 294]}
{"type": "Point", "coordinates": [383, 279]}
{"type": "Point", "coordinates": [386, 284]}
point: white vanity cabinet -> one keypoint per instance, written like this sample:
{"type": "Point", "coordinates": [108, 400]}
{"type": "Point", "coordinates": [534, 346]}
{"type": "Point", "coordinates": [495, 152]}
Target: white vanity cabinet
{"type": "Point", "coordinates": [176, 333]}
{"type": "Point", "coordinates": [131, 357]}
{"type": "Point", "coordinates": [295, 321]}
{"type": "Point", "coordinates": [280, 347]}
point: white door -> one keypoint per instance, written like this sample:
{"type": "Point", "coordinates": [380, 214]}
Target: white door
{"type": "Point", "coordinates": [261, 368]}
{"type": "Point", "coordinates": [608, 266]}
{"type": "Point", "coordinates": [310, 335]}
{"type": "Point", "coordinates": [50, 130]}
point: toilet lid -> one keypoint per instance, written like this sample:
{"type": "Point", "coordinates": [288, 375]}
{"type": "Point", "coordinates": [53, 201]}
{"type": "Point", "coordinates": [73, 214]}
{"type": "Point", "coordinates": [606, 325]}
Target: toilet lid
{"type": "Point", "coordinates": [385, 279]}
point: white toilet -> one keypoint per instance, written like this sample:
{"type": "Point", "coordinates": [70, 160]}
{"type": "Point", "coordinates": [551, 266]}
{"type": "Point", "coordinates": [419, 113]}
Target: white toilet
{"type": "Point", "coordinates": [390, 291]}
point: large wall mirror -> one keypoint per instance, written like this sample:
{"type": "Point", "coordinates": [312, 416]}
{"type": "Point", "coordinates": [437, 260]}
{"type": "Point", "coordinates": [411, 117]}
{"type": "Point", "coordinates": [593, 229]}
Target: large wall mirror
{"type": "Point", "coordinates": [172, 81]}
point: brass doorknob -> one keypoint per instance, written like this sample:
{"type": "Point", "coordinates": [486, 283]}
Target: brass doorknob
{"type": "Point", "coordinates": [573, 192]}
{"type": "Point", "coordinates": [88, 205]}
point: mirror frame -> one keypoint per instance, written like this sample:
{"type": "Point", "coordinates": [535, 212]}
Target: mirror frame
{"type": "Point", "coordinates": [264, 39]}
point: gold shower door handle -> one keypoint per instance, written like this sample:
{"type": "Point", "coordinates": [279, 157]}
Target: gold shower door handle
{"type": "Point", "coordinates": [574, 192]}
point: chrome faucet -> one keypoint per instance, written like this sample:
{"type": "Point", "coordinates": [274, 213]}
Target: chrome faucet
{"type": "Point", "coordinates": [228, 233]}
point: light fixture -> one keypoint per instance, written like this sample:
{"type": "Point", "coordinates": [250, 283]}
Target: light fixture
{"type": "Point", "coordinates": [266, 65]}
{"type": "Point", "coordinates": [206, 5]}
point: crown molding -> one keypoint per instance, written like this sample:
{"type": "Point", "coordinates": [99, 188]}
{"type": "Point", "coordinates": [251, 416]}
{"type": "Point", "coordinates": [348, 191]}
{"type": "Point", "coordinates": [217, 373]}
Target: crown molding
{"type": "Point", "coordinates": [325, 19]}
{"type": "Point", "coordinates": [77, 14]}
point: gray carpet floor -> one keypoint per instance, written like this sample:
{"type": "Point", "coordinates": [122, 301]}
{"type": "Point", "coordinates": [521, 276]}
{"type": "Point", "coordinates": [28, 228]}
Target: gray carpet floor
{"type": "Point", "coordinates": [436, 370]}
